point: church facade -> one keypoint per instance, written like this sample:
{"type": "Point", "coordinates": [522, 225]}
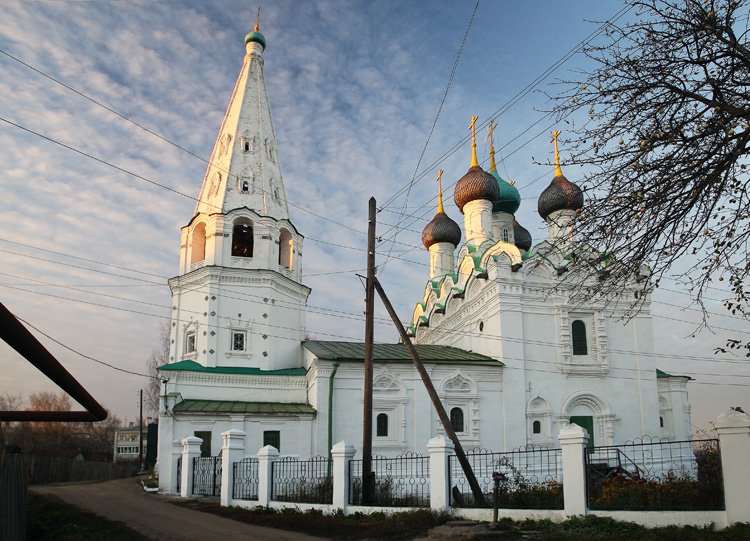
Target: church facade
{"type": "Point", "coordinates": [511, 351]}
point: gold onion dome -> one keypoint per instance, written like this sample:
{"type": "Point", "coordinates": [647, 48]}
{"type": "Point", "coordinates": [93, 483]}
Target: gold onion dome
{"type": "Point", "coordinates": [561, 194]}
{"type": "Point", "coordinates": [476, 184]}
{"type": "Point", "coordinates": [441, 228]}
{"type": "Point", "coordinates": [521, 236]}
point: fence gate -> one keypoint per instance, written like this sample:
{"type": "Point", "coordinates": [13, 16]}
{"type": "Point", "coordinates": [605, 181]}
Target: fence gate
{"type": "Point", "coordinates": [207, 475]}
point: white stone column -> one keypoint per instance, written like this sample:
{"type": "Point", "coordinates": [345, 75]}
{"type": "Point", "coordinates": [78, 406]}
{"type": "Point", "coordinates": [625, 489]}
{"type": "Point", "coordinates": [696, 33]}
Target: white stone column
{"type": "Point", "coordinates": [734, 440]}
{"type": "Point", "coordinates": [232, 450]}
{"type": "Point", "coordinates": [560, 228]}
{"type": "Point", "coordinates": [342, 454]}
{"type": "Point", "coordinates": [191, 448]}
{"type": "Point", "coordinates": [441, 259]}
{"type": "Point", "coordinates": [573, 440]}
{"type": "Point", "coordinates": [478, 221]}
{"type": "Point", "coordinates": [266, 457]}
{"type": "Point", "coordinates": [440, 449]}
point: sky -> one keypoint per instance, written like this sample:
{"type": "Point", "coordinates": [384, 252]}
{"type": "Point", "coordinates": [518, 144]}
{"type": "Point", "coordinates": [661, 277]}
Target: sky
{"type": "Point", "coordinates": [88, 239]}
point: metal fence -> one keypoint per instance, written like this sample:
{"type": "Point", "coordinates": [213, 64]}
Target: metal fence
{"type": "Point", "coordinates": [403, 481]}
{"type": "Point", "coordinates": [207, 475]}
{"type": "Point", "coordinates": [245, 475]}
{"type": "Point", "coordinates": [654, 474]}
{"type": "Point", "coordinates": [529, 478]}
{"type": "Point", "coordinates": [45, 470]}
{"type": "Point", "coordinates": [301, 481]}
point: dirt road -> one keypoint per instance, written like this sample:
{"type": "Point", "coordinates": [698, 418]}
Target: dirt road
{"type": "Point", "coordinates": [154, 517]}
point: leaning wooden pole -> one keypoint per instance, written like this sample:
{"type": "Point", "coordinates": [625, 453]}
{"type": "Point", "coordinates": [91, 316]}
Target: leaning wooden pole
{"type": "Point", "coordinates": [368, 478]}
{"type": "Point", "coordinates": [459, 450]}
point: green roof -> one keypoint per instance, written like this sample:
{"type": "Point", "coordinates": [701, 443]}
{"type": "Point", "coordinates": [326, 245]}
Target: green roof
{"type": "Point", "coordinates": [226, 406]}
{"type": "Point", "coordinates": [662, 374]}
{"type": "Point", "coordinates": [395, 353]}
{"type": "Point", "coordinates": [192, 366]}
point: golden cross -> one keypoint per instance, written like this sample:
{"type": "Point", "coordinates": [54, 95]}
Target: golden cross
{"type": "Point", "coordinates": [555, 135]}
{"type": "Point", "coordinates": [257, 21]}
{"type": "Point", "coordinates": [440, 190]}
{"type": "Point", "coordinates": [491, 133]}
{"type": "Point", "coordinates": [472, 127]}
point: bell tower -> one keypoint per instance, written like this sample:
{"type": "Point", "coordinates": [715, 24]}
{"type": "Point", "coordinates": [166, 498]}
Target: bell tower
{"type": "Point", "coordinates": [238, 300]}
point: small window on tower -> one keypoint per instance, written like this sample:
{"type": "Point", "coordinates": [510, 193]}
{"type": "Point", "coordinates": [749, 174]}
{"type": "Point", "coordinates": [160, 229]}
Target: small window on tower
{"type": "Point", "coordinates": [245, 186]}
{"type": "Point", "coordinates": [239, 340]}
{"type": "Point", "coordinates": [190, 342]}
{"type": "Point", "coordinates": [506, 235]}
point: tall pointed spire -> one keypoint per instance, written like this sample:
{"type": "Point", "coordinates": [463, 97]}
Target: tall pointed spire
{"type": "Point", "coordinates": [244, 169]}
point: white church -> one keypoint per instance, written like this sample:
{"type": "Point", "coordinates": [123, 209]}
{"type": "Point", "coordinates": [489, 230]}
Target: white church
{"type": "Point", "coordinates": [513, 355]}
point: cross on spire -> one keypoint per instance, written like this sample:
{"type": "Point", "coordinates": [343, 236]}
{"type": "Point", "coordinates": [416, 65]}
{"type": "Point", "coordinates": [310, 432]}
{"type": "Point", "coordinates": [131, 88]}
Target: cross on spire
{"type": "Point", "coordinates": [558, 170]}
{"type": "Point", "coordinates": [473, 129]}
{"type": "Point", "coordinates": [440, 190]}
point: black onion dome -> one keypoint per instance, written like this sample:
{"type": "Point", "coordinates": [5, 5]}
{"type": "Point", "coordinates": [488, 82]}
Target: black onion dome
{"type": "Point", "coordinates": [521, 236]}
{"type": "Point", "coordinates": [475, 184]}
{"type": "Point", "coordinates": [441, 229]}
{"type": "Point", "coordinates": [561, 194]}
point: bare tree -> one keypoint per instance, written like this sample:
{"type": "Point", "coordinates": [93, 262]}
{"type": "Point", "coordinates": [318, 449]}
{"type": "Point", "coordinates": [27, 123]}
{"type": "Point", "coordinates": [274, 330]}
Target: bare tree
{"type": "Point", "coordinates": [662, 123]}
{"type": "Point", "coordinates": [159, 357]}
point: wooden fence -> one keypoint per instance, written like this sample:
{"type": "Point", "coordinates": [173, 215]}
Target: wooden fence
{"type": "Point", "coordinates": [12, 497]}
{"type": "Point", "coordinates": [45, 470]}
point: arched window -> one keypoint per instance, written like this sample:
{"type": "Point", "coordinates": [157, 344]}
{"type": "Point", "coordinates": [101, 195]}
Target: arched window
{"type": "Point", "coordinates": [246, 181]}
{"type": "Point", "coordinates": [198, 244]}
{"type": "Point", "coordinates": [381, 425]}
{"type": "Point", "coordinates": [242, 238]}
{"type": "Point", "coordinates": [285, 249]}
{"type": "Point", "coordinates": [245, 186]}
{"type": "Point", "coordinates": [580, 347]}
{"type": "Point", "coordinates": [457, 419]}
{"type": "Point", "coordinates": [536, 427]}
{"type": "Point", "coordinates": [246, 142]}
{"type": "Point", "coordinates": [661, 422]}
{"type": "Point", "coordinates": [506, 235]}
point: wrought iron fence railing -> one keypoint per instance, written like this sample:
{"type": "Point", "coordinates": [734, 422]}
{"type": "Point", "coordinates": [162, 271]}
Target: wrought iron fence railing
{"type": "Point", "coordinates": [530, 478]}
{"type": "Point", "coordinates": [245, 475]}
{"type": "Point", "coordinates": [207, 475]}
{"type": "Point", "coordinates": [403, 481]}
{"type": "Point", "coordinates": [301, 481]}
{"type": "Point", "coordinates": [654, 474]}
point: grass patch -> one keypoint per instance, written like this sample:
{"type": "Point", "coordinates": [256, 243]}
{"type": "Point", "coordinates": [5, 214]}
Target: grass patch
{"type": "Point", "coordinates": [406, 525]}
{"type": "Point", "coordinates": [48, 518]}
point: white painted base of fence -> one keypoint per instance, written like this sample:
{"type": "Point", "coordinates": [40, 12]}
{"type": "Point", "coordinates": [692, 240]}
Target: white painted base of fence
{"type": "Point", "coordinates": [734, 437]}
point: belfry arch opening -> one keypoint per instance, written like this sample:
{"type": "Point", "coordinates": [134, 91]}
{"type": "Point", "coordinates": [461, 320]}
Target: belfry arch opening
{"type": "Point", "coordinates": [242, 238]}
{"type": "Point", "coordinates": [198, 243]}
{"type": "Point", "coordinates": [286, 249]}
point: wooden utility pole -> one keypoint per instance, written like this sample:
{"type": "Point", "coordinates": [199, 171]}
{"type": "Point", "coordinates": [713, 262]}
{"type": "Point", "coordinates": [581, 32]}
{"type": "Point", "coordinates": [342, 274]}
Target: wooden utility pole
{"type": "Point", "coordinates": [368, 476]}
{"type": "Point", "coordinates": [140, 431]}
{"type": "Point", "coordinates": [447, 426]}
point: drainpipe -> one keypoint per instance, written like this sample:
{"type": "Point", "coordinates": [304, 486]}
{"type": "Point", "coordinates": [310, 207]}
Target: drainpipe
{"type": "Point", "coordinates": [330, 413]}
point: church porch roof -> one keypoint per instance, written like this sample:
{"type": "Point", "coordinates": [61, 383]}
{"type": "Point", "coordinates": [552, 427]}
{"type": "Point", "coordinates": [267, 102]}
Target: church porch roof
{"type": "Point", "coordinates": [192, 366]}
{"type": "Point", "coordinates": [394, 353]}
{"type": "Point", "coordinates": [248, 408]}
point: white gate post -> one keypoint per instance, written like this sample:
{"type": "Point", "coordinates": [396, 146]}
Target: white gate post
{"type": "Point", "coordinates": [170, 483]}
{"type": "Point", "coordinates": [734, 441]}
{"type": "Point", "coordinates": [266, 457]}
{"type": "Point", "coordinates": [342, 454]}
{"type": "Point", "coordinates": [191, 448]}
{"type": "Point", "coordinates": [440, 449]}
{"type": "Point", "coordinates": [232, 450]}
{"type": "Point", "coordinates": [573, 440]}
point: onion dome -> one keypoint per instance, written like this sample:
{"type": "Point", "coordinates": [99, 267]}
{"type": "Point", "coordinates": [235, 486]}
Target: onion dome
{"type": "Point", "coordinates": [255, 35]}
{"type": "Point", "coordinates": [521, 236]}
{"type": "Point", "coordinates": [477, 183]}
{"type": "Point", "coordinates": [561, 194]}
{"type": "Point", "coordinates": [441, 228]}
{"type": "Point", "coordinates": [509, 199]}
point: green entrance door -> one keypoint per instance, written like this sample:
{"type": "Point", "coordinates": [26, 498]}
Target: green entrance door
{"type": "Point", "coordinates": [587, 422]}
